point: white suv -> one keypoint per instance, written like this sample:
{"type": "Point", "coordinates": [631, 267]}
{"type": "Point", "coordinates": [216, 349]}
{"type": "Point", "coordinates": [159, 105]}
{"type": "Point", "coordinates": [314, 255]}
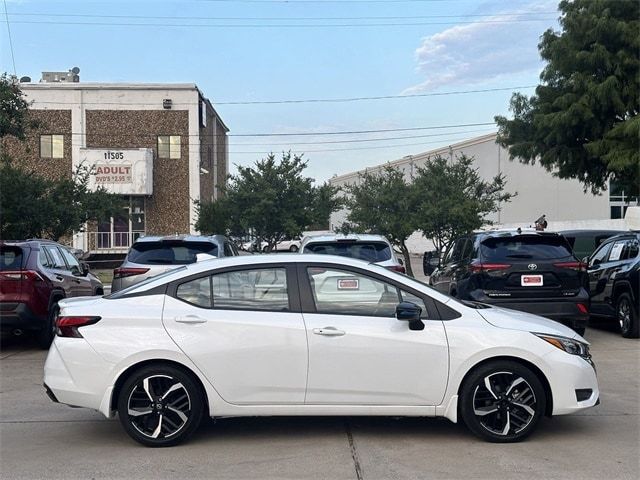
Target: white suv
{"type": "Point", "coordinates": [370, 248]}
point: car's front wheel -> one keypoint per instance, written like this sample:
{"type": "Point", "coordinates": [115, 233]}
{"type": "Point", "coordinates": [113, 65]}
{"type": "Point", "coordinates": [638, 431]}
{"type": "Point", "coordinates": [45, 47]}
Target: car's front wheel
{"type": "Point", "coordinates": [160, 406]}
{"type": "Point", "coordinates": [502, 401]}
{"type": "Point", "coordinates": [627, 316]}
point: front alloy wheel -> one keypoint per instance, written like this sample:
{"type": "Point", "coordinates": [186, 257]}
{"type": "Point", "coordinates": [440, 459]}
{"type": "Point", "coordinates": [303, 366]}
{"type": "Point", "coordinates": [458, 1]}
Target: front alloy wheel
{"type": "Point", "coordinates": [502, 402]}
{"type": "Point", "coordinates": [160, 406]}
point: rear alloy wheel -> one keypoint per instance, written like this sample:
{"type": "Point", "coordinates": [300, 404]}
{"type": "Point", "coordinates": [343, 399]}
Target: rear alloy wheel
{"type": "Point", "coordinates": [293, 248]}
{"type": "Point", "coordinates": [502, 402]}
{"type": "Point", "coordinates": [45, 336]}
{"type": "Point", "coordinates": [160, 406]}
{"type": "Point", "coordinates": [627, 316]}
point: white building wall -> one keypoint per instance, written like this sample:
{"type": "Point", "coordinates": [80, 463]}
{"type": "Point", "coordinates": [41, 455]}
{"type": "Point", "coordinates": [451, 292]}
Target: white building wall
{"type": "Point", "coordinates": [538, 192]}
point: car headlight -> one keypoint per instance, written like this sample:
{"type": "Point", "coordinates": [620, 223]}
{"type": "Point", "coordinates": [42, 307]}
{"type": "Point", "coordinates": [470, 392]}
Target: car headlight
{"type": "Point", "coordinates": [569, 345]}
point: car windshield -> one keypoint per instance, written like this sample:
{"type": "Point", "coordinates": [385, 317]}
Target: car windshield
{"type": "Point", "coordinates": [170, 252]}
{"type": "Point", "coordinates": [10, 258]}
{"type": "Point", "coordinates": [538, 247]}
{"type": "Point", "coordinates": [367, 251]}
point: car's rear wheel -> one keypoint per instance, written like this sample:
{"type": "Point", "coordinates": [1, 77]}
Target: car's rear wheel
{"type": "Point", "coordinates": [45, 336]}
{"type": "Point", "coordinates": [293, 248]}
{"type": "Point", "coordinates": [160, 406]}
{"type": "Point", "coordinates": [627, 316]}
{"type": "Point", "coordinates": [502, 401]}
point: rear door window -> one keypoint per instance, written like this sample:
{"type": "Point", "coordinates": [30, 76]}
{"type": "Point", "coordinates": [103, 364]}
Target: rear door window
{"type": "Point", "coordinates": [10, 258]}
{"type": "Point", "coordinates": [170, 253]}
{"type": "Point", "coordinates": [367, 251]}
{"type": "Point", "coordinates": [536, 247]}
{"type": "Point", "coordinates": [256, 289]}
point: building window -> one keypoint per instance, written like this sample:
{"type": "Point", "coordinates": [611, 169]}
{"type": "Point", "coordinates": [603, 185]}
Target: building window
{"type": "Point", "coordinates": [51, 146]}
{"type": "Point", "coordinates": [168, 146]}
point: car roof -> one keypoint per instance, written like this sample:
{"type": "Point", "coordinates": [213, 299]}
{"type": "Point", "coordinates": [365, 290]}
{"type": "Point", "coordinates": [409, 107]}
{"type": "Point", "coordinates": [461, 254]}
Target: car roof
{"type": "Point", "coordinates": [587, 232]}
{"type": "Point", "coordinates": [336, 237]}
{"type": "Point", "coordinates": [515, 232]}
{"type": "Point", "coordinates": [181, 237]}
{"type": "Point", "coordinates": [620, 236]}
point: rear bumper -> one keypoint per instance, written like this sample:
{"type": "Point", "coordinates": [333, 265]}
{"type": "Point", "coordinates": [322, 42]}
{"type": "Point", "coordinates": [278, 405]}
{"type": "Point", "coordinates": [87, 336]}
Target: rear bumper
{"type": "Point", "coordinates": [18, 315]}
{"type": "Point", "coordinates": [564, 310]}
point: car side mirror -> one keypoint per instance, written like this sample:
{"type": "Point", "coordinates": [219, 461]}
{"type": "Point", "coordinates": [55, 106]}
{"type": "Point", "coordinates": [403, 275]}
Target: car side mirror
{"type": "Point", "coordinates": [84, 269]}
{"type": "Point", "coordinates": [410, 312]}
{"type": "Point", "coordinates": [596, 262]}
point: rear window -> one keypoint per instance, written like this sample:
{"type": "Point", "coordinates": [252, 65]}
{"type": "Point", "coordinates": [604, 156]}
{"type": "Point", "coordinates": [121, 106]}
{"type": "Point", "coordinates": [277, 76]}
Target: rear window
{"type": "Point", "coordinates": [536, 247]}
{"type": "Point", "coordinates": [367, 251]}
{"type": "Point", "coordinates": [10, 258]}
{"type": "Point", "coordinates": [169, 253]}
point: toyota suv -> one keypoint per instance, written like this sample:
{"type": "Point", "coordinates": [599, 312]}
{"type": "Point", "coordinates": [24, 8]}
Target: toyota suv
{"type": "Point", "coordinates": [531, 271]}
{"type": "Point", "coordinates": [152, 255]}
{"type": "Point", "coordinates": [34, 276]}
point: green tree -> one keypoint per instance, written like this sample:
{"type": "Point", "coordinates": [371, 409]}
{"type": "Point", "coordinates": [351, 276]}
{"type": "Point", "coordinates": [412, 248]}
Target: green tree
{"type": "Point", "coordinates": [383, 203]}
{"type": "Point", "coordinates": [452, 200]}
{"type": "Point", "coordinates": [33, 206]}
{"type": "Point", "coordinates": [270, 200]}
{"type": "Point", "coordinates": [583, 120]}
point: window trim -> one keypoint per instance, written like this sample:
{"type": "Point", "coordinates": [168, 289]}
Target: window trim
{"type": "Point", "coordinates": [308, 305]}
{"type": "Point", "coordinates": [51, 135]}
{"type": "Point", "coordinates": [292, 289]}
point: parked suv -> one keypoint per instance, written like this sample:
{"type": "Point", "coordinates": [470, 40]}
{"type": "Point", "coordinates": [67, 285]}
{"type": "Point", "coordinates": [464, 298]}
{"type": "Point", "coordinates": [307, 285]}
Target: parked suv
{"type": "Point", "coordinates": [531, 271]}
{"type": "Point", "coordinates": [152, 255]}
{"type": "Point", "coordinates": [34, 276]}
{"type": "Point", "coordinates": [614, 278]}
{"type": "Point", "coordinates": [584, 242]}
{"type": "Point", "coordinates": [370, 248]}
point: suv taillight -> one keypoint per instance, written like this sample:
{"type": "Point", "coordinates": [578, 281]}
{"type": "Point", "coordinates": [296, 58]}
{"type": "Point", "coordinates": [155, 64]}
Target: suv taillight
{"type": "Point", "coordinates": [21, 275]}
{"type": "Point", "coordinates": [478, 267]}
{"type": "Point", "coordinates": [397, 268]}
{"type": "Point", "coordinates": [68, 326]}
{"type": "Point", "coordinates": [128, 272]}
{"type": "Point", "coordinates": [577, 266]}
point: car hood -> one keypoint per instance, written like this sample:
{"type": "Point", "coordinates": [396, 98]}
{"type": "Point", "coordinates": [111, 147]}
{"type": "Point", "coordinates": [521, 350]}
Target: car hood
{"type": "Point", "coordinates": [528, 322]}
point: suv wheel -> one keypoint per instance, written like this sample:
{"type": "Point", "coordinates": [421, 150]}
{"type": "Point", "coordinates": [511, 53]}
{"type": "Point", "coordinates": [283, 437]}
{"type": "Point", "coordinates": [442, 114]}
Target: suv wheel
{"type": "Point", "coordinates": [502, 401]}
{"type": "Point", "coordinates": [627, 316]}
{"type": "Point", "coordinates": [293, 248]}
{"type": "Point", "coordinates": [45, 336]}
{"type": "Point", "coordinates": [160, 406]}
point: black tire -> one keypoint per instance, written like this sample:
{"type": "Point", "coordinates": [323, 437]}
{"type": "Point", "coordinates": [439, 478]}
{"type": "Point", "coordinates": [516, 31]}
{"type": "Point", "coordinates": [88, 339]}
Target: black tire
{"type": "Point", "coordinates": [45, 336]}
{"type": "Point", "coordinates": [171, 427]}
{"type": "Point", "coordinates": [293, 248]}
{"type": "Point", "coordinates": [627, 316]}
{"type": "Point", "coordinates": [495, 416]}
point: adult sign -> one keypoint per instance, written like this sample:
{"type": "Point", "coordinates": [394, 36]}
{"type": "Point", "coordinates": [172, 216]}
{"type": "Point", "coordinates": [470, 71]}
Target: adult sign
{"type": "Point", "coordinates": [127, 171]}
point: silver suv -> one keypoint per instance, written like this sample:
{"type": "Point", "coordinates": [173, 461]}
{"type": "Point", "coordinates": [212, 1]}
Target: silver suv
{"type": "Point", "coordinates": [370, 248]}
{"type": "Point", "coordinates": [150, 256]}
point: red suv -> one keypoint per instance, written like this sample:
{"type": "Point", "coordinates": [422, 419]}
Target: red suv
{"type": "Point", "coordinates": [34, 276]}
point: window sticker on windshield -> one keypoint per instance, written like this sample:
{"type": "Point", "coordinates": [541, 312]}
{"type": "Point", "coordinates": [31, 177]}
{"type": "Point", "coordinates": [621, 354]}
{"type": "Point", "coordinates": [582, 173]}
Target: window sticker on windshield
{"type": "Point", "coordinates": [348, 284]}
{"type": "Point", "coordinates": [616, 251]}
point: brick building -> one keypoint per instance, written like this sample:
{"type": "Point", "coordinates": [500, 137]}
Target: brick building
{"type": "Point", "coordinates": [162, 146]}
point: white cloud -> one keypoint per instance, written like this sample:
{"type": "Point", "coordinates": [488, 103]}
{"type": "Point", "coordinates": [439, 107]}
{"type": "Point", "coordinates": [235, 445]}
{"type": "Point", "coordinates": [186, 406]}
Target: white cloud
{"type": "Point", "coordinates": [478, 52]}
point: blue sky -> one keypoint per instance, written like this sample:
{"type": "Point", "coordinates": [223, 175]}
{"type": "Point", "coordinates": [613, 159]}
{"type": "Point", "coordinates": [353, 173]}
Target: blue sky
{"type": "Point", "coordinates": [459, 45]}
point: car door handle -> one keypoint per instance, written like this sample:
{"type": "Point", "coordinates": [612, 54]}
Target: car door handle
{"type": "Point", "coordinates": [59, 278]}
{"type": "Point", "coordinates": [329, 332]}
{"type": "Point", "coordinates": [190, 319]}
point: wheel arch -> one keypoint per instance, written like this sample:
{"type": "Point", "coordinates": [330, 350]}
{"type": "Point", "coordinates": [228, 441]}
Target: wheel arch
{"type": "Point", "coordinates": [620, 287]}
{"type": "Point", "coordinates": [130, 370]}
{"type": "Point", "coordinates": [531, 366]}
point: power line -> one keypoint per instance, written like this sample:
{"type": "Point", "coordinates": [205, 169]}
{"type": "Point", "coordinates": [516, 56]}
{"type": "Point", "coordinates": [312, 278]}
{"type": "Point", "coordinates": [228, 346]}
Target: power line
{"type": "Point", "coordinates": [306, 100]}
{"type": "Point", "coordinates": [13, 58]}
{"type": "Point", "coordinates": [280, 25]}
{"type": "Point", "coordinates": [171, 17]}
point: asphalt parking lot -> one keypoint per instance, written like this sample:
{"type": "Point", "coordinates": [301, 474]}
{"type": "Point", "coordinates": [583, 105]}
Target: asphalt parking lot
{"type": "Point", "coordinates": [40, 439]}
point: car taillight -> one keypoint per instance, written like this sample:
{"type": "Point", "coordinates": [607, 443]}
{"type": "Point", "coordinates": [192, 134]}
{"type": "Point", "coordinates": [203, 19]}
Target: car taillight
{"type": "Point", "coordinates": [577, 266]}
{"type": "Point", "coordinates": [128, 272]}
{"type": "Point", "coordinates": [397, 268]}
{"type": "Point", "coordinates": [477, 267]}
{"type": "Point", "coordinates": [582, 308]}
{"type": "Point", "coordinates": [68, 326]}
{"type": "Point", "coordinates": [21, 275]}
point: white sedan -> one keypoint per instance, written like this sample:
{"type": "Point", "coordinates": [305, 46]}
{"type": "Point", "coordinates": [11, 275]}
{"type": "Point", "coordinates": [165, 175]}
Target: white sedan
{"type": "Point", "coordinates": [310, 335]}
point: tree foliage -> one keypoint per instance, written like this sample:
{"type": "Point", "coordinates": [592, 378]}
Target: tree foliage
{"type": "Point", "coordinates": [270, 200]}
{"type": "Point", "coordinates": [452, 199]}
{"type": "Point", "coordinates": [383, 203]}
{"type": "Point", "coordinates": [583, 120]}
{"type": "Point", "coordinates": [14, 116]}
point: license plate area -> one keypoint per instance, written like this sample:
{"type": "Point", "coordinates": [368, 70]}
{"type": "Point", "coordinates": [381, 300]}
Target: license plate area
{"type": "Point", "coordinates": [531, 281]}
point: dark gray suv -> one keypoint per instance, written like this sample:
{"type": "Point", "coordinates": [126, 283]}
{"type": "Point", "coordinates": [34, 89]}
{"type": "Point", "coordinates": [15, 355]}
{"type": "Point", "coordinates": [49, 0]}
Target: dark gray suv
{"type": "Point", "coordinates": [152, 255]}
